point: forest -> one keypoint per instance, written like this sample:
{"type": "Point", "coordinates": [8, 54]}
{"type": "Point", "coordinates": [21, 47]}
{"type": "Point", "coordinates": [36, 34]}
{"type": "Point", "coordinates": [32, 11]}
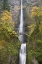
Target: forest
{"type": "Point", "coordinates": [9, 23]}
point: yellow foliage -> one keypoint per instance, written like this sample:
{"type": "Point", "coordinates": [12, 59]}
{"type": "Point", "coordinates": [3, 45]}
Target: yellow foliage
{"type": "Point", "coordinates": [40, 14]}
{"type": "Point", "coordinates": [2, 42]}
{"type": "Point", "coordinates": [11, 23]}
{"type": "Point", "coordinates": [31, 26]}
{"type": "Point", "coordinates": [14, 32]}
{"type": "Point", "coordinates": [33, 14]}
{"type": "Point", "coordinates": [36, 13]}
{"type": "Point", "coordinates": [34, 9]}
{"type": "Point", "coordinates": [7, 20]}
{"type": "Point", "coordinates": [6, 16]}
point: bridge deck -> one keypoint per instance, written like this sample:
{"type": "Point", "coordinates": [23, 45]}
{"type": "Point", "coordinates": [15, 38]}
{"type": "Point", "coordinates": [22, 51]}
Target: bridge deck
{"type": "Point", "coordinates": [22, 33]}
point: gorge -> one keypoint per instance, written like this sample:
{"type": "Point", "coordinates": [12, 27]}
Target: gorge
{"type": "Point", "coordinates": [20, 32]}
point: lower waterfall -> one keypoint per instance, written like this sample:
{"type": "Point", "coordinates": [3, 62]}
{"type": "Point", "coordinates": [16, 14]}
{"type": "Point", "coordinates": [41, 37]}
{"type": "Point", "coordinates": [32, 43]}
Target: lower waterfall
{"type": "Point", "coordinates": [22, 53]}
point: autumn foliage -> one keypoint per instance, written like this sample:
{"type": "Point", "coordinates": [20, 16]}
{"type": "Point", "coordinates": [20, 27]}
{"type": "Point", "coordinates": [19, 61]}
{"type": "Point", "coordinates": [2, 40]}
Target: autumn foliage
{"type": "Point", "coordinates": [36, 14]}
{"type": "Point", "coordinates": [6, 16]}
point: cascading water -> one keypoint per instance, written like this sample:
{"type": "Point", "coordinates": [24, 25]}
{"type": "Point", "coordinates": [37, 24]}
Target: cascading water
{"type": "Point", "coordinates": [21, 24]}
{"type": "Point", "coordinates": [22, 53]}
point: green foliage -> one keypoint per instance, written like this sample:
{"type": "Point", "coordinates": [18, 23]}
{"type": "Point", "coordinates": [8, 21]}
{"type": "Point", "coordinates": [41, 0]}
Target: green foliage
{"type": "Point", "coordinates": [35, 36]}
{"type": "Point", "coordinates": [35, 44]}
{"type": "Point", "coordinates": [9, 43]}
{"type": "Point", "coordinates": [6, 5]}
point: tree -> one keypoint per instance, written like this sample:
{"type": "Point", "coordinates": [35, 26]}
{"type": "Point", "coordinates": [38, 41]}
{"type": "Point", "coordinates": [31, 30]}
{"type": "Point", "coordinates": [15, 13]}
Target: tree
{"type": "Point", "coordinates": [35, 37]}
{"type": "Point", "coordinates": [36, 14]}
{"type": "Point", "coordinates": [9, 43]}
{"type": "Point", "coordinates": [6, 23]}
{"type": "Point", "coordinates": [6, 16]}
{"type": "Point", "coordinates": [6, 5]}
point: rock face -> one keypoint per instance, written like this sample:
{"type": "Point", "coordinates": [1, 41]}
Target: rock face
{"type": "Point", "coordinates": [14, 2]}
{"type": "Point", "coordinates": [14, 8]}
{"type": "Point", "coordinates": [32, 1]}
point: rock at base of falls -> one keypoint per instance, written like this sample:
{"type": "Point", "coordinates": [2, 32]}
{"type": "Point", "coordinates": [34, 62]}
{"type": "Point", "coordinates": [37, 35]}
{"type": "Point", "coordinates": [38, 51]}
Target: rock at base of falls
{"type": "Point", "coordinates": [34, 61]}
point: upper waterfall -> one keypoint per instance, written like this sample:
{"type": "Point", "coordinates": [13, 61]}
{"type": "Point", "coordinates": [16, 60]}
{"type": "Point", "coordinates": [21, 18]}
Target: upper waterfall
{"type": "Point", "coordinates": [21, 19]}
{"type": "Point", "coordinates": [21, 30]}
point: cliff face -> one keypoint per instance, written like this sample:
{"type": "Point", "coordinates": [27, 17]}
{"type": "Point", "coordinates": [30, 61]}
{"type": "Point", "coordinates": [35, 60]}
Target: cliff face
{"type": "Point", "coordinates": [32, 3]}
{"type": "Point", "coordinates": [32, 0]}
{"type": "Point", "coordinates": [14, 2]}
{"type": "Point", "coordinates": [14, 8]}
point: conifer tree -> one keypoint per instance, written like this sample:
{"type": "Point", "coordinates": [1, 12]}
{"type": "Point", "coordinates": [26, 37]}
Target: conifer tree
{"type": "Point", "coordinates": [6, 5]}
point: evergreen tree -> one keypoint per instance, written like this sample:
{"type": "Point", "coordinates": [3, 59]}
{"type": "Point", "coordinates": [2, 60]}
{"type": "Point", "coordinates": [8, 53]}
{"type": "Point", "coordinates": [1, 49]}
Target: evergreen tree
{"type": "Point", "coordinates": [6, 5]}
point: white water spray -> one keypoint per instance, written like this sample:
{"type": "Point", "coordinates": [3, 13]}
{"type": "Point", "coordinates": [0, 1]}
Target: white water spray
{"type": "Point", "coordinates": [22, 54]}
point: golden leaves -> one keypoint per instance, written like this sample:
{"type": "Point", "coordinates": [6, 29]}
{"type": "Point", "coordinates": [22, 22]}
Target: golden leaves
{"type": "Point", "coordinates": [33, 14]}
{"type": "Point", "coordinates": [6, 20]}
{"type": "Point", "coordinates": [31, 27]}
{"type": "Point", "coordinates": [6, 16]}
{"type": "Point", "coordinates": [34, 9]}
{"type": "Point", "coordinates": [36, 13]}
{"type": "Point", "coordinates": [2, 42]}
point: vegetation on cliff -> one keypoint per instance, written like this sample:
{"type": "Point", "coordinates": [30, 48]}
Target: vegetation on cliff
{"type": "Point", "coordinates": [9, 42]}
{"type": "Point", "coordinates": [35, 35]}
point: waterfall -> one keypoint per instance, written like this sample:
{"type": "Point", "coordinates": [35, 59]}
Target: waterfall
{"type": "Point", "coordinates": [21, 24]}
{"type": "Point", "coordinates": [22, 53]}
